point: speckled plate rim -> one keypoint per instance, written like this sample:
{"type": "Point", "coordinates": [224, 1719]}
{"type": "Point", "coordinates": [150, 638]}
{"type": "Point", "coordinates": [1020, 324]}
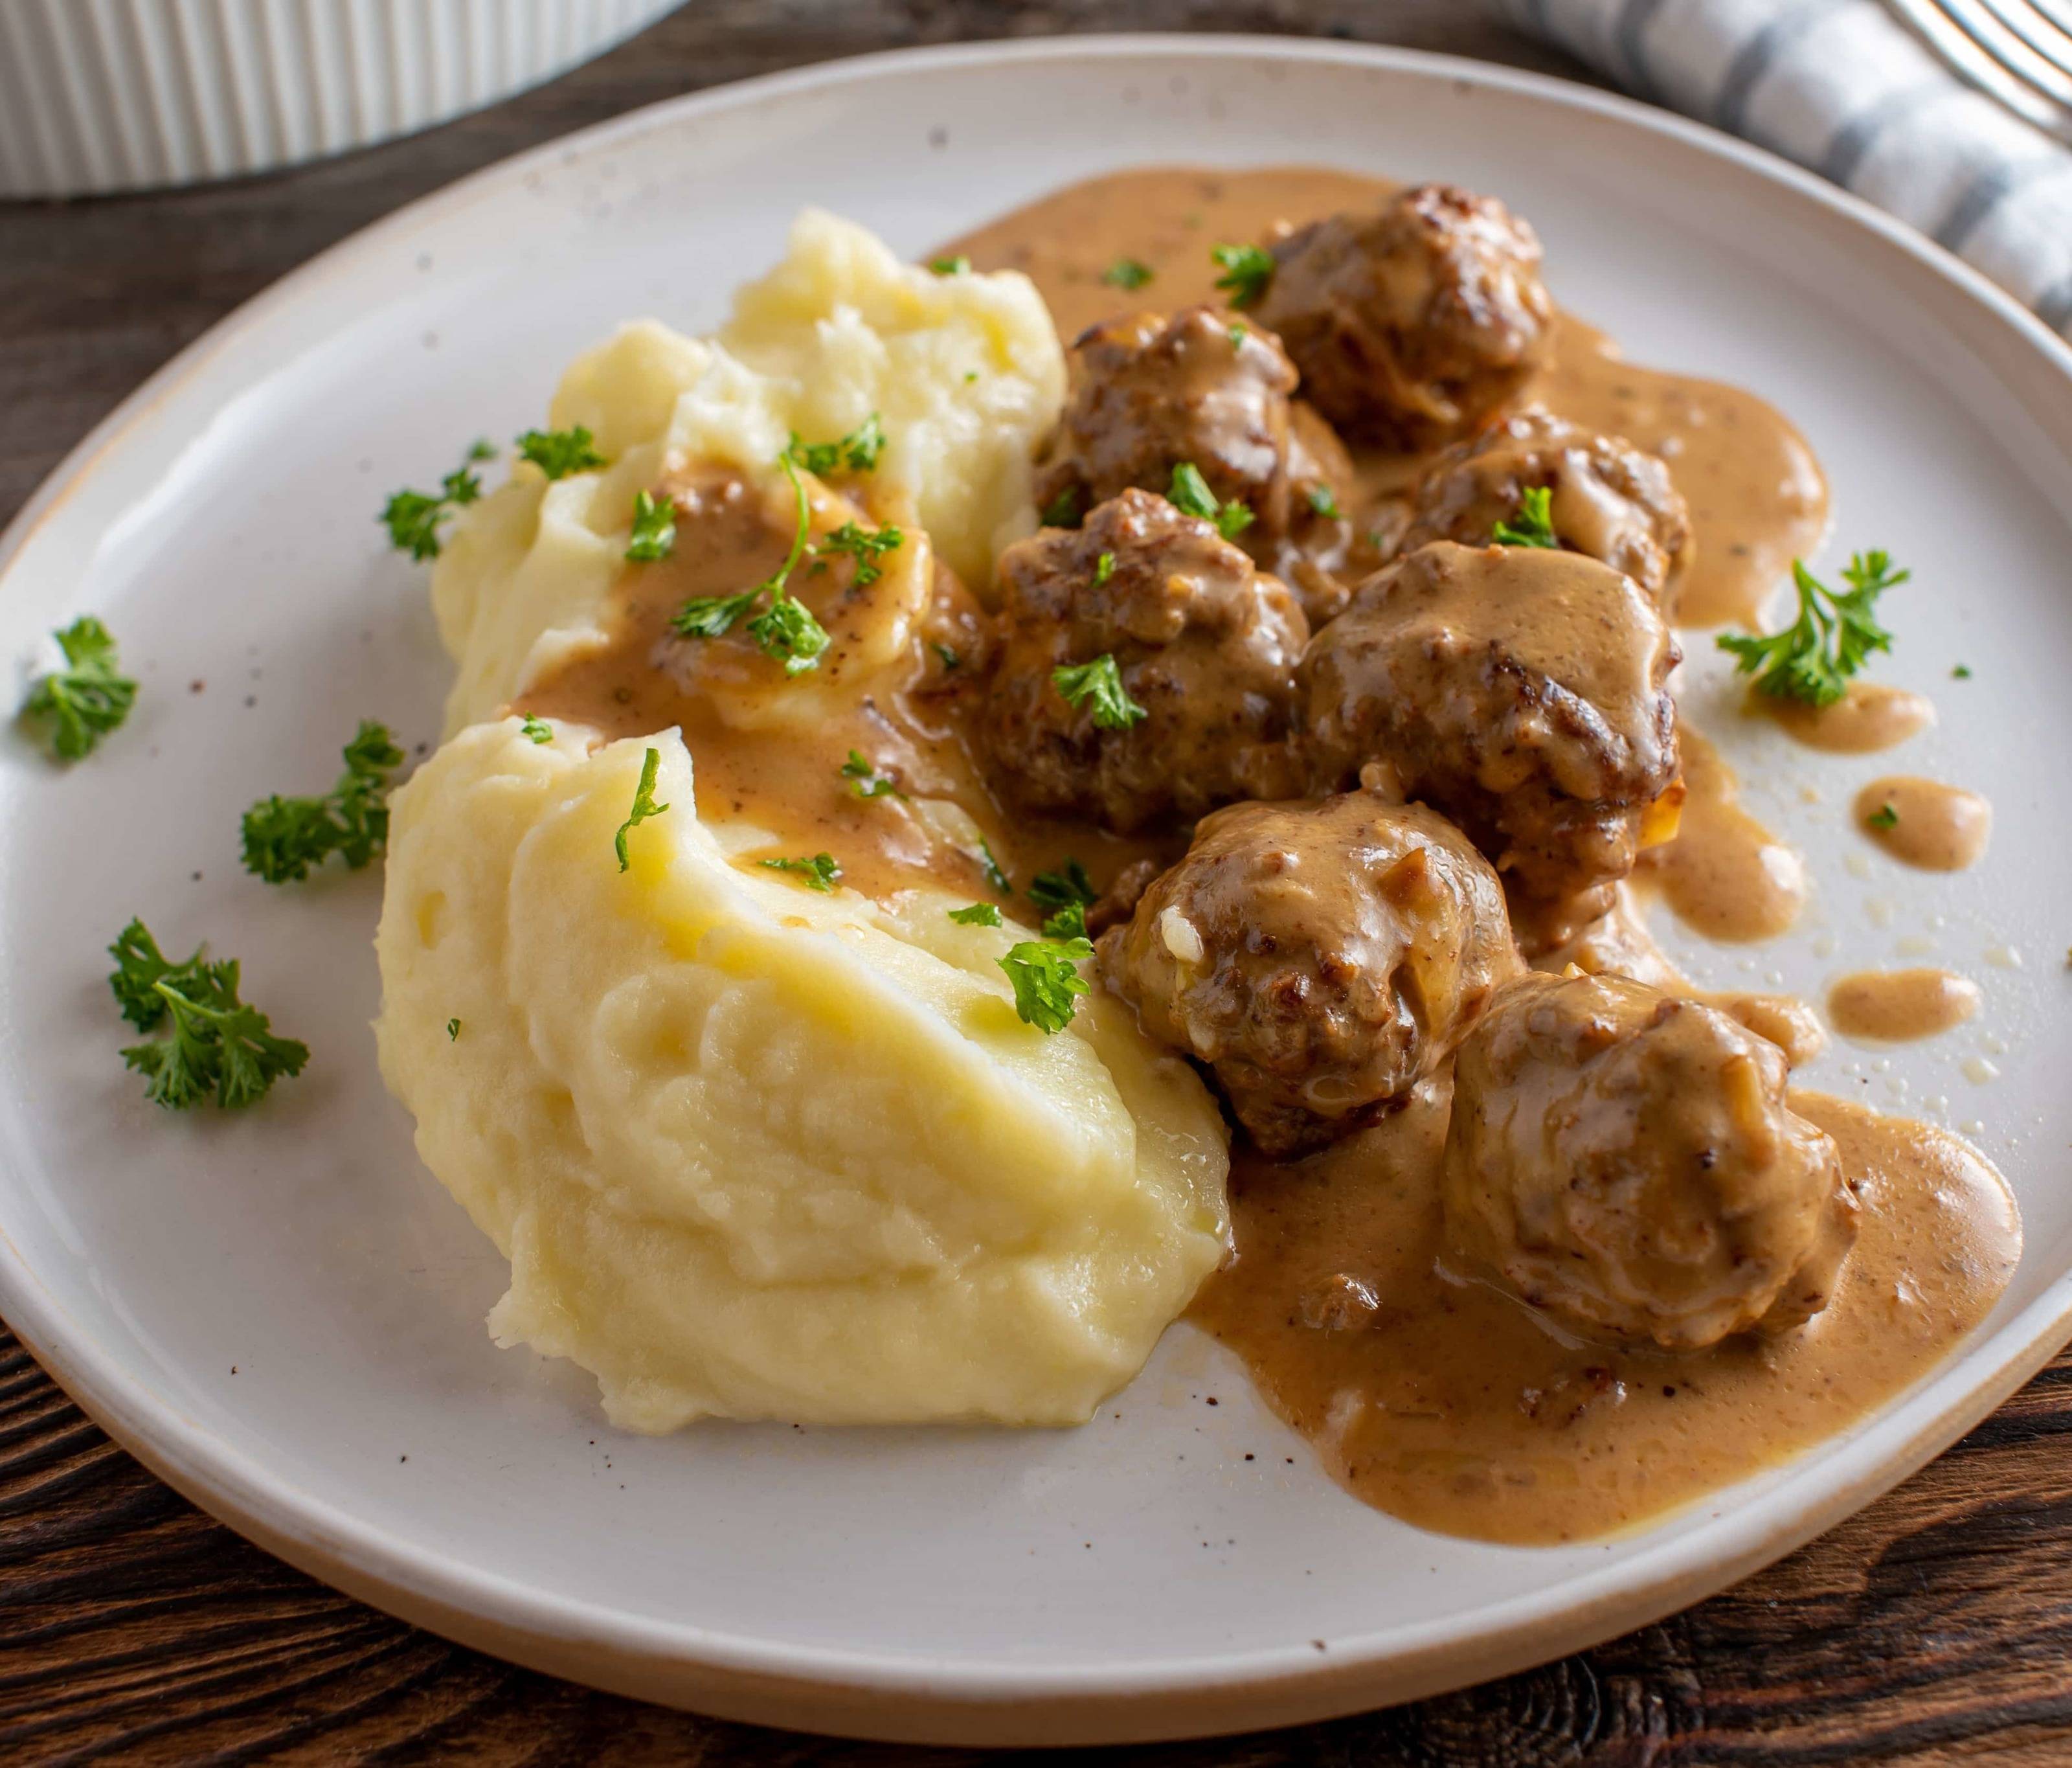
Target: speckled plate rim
{"type": "Point", "coordinates": [854, 1691]}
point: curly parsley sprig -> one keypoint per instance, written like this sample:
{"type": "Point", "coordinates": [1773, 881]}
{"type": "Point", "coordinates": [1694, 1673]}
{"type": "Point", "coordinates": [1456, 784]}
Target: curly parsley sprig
{"type": "Point", "coordinates": [216, 1044]}
{"type": "Point", "coordinates": [1812, 659]}
{"type": "Point", "coordinates": [75, 707]}
{"type": "Point", "coordinates": [786, 630]}
{"type": "Point", "coordinates": [558, 453]}
{"type": "Point", "coordinates": [1533, 525]}
{"type": "Point", "coordinates": [1096, 688]}
{"type": "Point", "coordinates": [413, 518]}
{"type": "Point", "coordinates": [857, 452]}
{"type": "Point", "coordinates": [1046, 979]}
{"type": "Point", "coordinates": [286, 839]}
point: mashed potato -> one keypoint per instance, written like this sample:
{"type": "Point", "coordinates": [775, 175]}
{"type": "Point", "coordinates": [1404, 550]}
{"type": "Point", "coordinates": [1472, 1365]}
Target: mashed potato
{"type": "Point", "coordinates": [759, 1152]}
{"type": "Point", "coordinates": [964, 372]}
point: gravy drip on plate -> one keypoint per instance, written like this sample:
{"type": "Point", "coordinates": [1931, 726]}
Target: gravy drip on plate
{"type": "Point", "coordinates": [1869, 717]}
{"type": "Point", "coordinates": [1925, 823]}
{"type": "Point", "coordinates": [1898, 1006]}
{"type": "Point", "coordinates": [1437, 1397]}
{"type": "Point", "coordinates": [1449, 1403]}
{"type": "Point", "coordinates": [1757, 494]}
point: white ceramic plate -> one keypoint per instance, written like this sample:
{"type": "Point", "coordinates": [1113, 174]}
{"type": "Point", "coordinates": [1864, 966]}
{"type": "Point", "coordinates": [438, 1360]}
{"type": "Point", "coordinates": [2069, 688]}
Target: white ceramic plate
{"type": "Point", "coordinates": [282, 1314]}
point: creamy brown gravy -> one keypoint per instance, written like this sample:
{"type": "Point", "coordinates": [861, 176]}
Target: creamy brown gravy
{"type": "Point", "coordinates": [1449, 1403]}
{"type": "Point", "coordinates": [1925, 823]}
{"type": "Point", "coordinates": [1897, 1006]}
{"type": "Point", "coordinates": [1870, 715]}
{"type": "Point", "coordinates": [1724, 875]}
{"type": "Point", "coordinates": [1757, 494]}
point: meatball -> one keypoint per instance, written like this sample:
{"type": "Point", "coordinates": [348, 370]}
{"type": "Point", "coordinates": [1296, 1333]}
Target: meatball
{"type": "Point", "coordinates": [1627, 1159]}
{"type": "Point", "coordinates": [1412, 325]}
{"type": "Point", "coordinates": [1321, 956]}
{"type": "Point", "coordinates": [1610, 498]}
{"type": "Point", "coordinates": [1209, 388]}
{"type": "Point", "coordinates": [1519, 690]}
{"type": "Point", "coordinates": [1203, 644]}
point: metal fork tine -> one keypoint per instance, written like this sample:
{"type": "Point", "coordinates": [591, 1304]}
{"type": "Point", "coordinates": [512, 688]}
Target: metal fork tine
{"type": "Point", "coordinates": [2012, 49]}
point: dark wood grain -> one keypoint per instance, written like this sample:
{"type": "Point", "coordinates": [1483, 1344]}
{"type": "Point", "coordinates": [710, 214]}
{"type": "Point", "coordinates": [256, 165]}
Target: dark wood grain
{"type": "Point", "coordinates": [1935, 1628]}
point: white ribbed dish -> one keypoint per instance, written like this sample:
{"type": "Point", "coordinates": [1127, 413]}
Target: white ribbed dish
{"type": "Point", "coordinates": [113, 95]}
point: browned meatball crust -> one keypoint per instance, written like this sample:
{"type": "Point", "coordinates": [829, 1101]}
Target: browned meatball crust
{"type": "Point", "coordinates": [1319, 956]}
{"type": "Point", "coordinates": [1204, 642]}
{"type": "Point", "coordinates": [1627, 1159]}
{"type": "Point", "coordinates": [1414, 324]}
{"type": "Point", "coordinates": [1210, 387]}
{"type": "Point", "coordinates": [1522, 692]}
{"type": "Point", "coordinates": [1608, 498]}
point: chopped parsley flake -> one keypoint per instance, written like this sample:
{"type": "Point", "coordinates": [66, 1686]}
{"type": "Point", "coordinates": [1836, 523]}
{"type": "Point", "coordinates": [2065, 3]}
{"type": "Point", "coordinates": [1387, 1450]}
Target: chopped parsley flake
{"type": "Point", "coordinates": [1046, 978]}
{"type": "Point", "coordinates": [558, 453]}
{"type": "Point", "coordinates": [1063, 511]}
{"type": "Point", "coordinates": [284, 839]}
{"type": "Point", "coordinates": [786, 630]}
{"type": "Point", "coordinates": [1127, 273]}
{"type": "Point", "coordinates": [1962, 672]}
{"type": "Point", "coordinates": [1190, 493]}
{"type": "Point", "coordinates": [654, 534]}
{"type": "Point", "coordinates": [866, 781]}
{"type": "Point", "coordinates": [1324, 501]}
{"type": "Point", "coordinates": [978, 915]}
{"type": "Point", "coordinates": [1247, 269]}
{"type": "Point", "coordinates": [950, 660]}
{"type": "Point", "coordinates": [1238, 334]}
{"type": "Point", "coordinates": [1103, 569]}
{"type": "Point", "coordinates": [1068, 885]}
{"type": "Point", "coordinates": [643, 805]}
{"type": "Point", "coordinates": [1533, 525]}
{"type": "Point", "coordinates": [537, 730]}
{"type": "Point", "coordinates": [821, 873]}
{"type": "Point", "coordinates": [1812, 659]}
{"type": "Point", "coordinates": [1069, 923]}
{"type": "Point", "coordinates": [995, 875]}
{"type": "Point", "coordinates": [1096, 688]}
{"type": "Point", "coordinates": [79, 705]}
{"type": "Point", "coordinates": [959, 265]}
{"type": "Point", "coordinates": [865, 545]}
{"type": "Point", "coordinates": [857, 451]}
{"type": "Point", "coordinates": [413, 518]}
{"type": "Point", "coordinates": [216, 1044]}
{"type": "Point", "coordinates": [453, 1030]}
{"type": "Point", "coordinates": [1884, 817]}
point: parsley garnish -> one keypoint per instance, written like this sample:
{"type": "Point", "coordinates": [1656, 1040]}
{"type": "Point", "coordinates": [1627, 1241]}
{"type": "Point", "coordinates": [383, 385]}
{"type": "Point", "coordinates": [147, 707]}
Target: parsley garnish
{"type": "Point", "coordinates": [866, 780]}
{"type": "Point", "coordinates": [1884, 817]}
{"type": "Point", "coordinates": [1247, 271]}
{"type": "Point", "coordinates": [1097, 687]}
{"type": "Point", "coordinates": [1068, 885]}
{"type": "Point", "coordinates": [1063, 511]}
{"type": "Point", "coordinates": [1238, 334]}
{"type": "Point", "coordinates": [821, 873]}
{"type": "Point", "coordinates": [865, 545]}
{"type": "Point", "coordinates": [1046, 979]}
{"type": "Point", "coordinates": [1812, 659]}
{"type": "Point", "coordinates": [959, 265]}
{"type": "Point", "coordinates": [413, 518]}
{"type": "Point", "coordinates": [643, 805]}
{"type": "Point", "coordinates": [558, 453]}
{"type": "Point", "coordinates": [995, 875]}
{"type": "Point", "coordinates": [1069, 923]}
{"type": "Point", "coordinates": [785, 630]}
{"type": "Point", "coordinates": [1533, 525]}
{"type": "Point", "coordinates": [81, 703]}
{"type": "Point", "coordinates": [538, 729]}
{"type": "Point", "coordinates": [1190, 493]}
{"type": "Point", "coordinates": [978, 915]}
{"type": "Point", "coordinates": [217, 1043]}
{"type": "Point", "coordinates": [653, 535]}
{"type": "Point", "coordinates": [1962, 672]}
{"type": "Point", "coordinates": [453, 1030]}
{"type": "Point", "coordinates": [287, 838]}
{"type": "Point", "coordinates": [858, 450]}
{"type": "Point", "coordinates": [1127, 273]}
{"type": "Point", "coordinates": [950, 660]}
{"type": "Point", "coordinates": [1324, 501]}
{"type": "Point", "coordinates": [1103, 569]}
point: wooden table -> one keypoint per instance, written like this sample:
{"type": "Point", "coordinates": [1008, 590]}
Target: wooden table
{"type": "Point", "coordinates": [1936, 1627]}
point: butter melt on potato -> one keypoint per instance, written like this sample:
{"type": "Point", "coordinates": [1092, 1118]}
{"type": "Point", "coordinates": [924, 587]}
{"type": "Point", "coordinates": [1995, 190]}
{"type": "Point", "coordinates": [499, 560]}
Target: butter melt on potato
{"type": "Point", "coordinates": [760, 1152]}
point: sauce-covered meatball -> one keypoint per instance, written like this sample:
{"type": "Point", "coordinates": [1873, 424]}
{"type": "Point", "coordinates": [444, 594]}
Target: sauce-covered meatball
{"type": "Point", "coordinates": [1627, 1159]}
{"type": "Point", "coordinates": [1607, 498]}
{"type": "Point", "coordinates": [1209, 389]}
{"type": "Point", "coordinates": [1202, 643]}
{"type": "Point", "coordinates": [1320, 956]}
{"type": "Point", "coordinates": [1521, 691]}
{"type": "Point", "coordinates": [1412, 325]}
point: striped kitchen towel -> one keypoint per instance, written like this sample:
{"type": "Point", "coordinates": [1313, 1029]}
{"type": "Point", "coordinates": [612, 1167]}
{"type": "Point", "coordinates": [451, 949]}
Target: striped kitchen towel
{"type": "Point", "coordinates": [1841, 87]}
